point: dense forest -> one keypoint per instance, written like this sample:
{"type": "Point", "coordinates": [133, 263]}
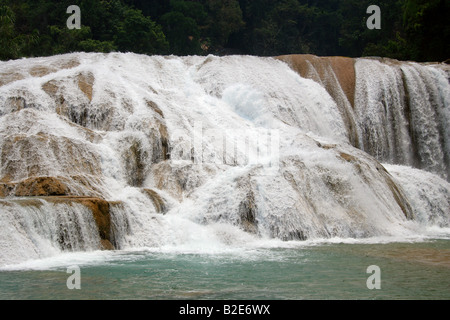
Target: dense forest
{"type": "Point", "coordinates": [410, 29]}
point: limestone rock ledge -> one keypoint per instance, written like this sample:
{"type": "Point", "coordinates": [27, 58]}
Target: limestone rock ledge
{"type": "Point", "coordinates": [44, 186]}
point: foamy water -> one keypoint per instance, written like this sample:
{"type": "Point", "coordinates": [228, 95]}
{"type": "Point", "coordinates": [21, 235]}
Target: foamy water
{"type": "Point", "coordinates": [259, 157]}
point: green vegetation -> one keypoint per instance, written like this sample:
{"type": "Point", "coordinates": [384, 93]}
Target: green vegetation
{"type": "Point", "coordinates": [411, 29]}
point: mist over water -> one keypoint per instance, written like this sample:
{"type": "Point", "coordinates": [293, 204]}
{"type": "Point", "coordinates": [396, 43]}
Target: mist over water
{"type": "Point", "coordinates": [216, 156]}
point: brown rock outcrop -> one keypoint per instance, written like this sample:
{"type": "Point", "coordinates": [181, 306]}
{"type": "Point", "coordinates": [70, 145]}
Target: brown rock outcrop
{"type": "Point", "coordinates": [248, 210]}
{"type": "Point", "coordinates": [344, 69]}
{"type": "Point", "coordinates": [50, 186]}
{"type": "Point", "coordinates": [8, 77]}
{"type": "Point", "coordinates": [38, 70]}
{"type": "Point", "coordinates": [85, 83]}
{"type": "Point", "coordinates": [25, 156]}
{"type": "Point", "coordinates": [41, 186]}
{"type": "Point", "coordinates": [318, 69]}
{"type": "Point", "coordinates": [157, 200]}
{"type": "Point", "coordinates": [3, 190]}
{"type": "Point", "coordinates": [337, 75]}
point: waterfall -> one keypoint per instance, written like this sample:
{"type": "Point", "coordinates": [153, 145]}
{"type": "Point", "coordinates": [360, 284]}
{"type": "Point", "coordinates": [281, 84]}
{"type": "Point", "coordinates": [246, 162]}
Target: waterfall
{"type": "Point", "coordinates": [35, 228]}
{"type": "Point", "coordinates": [396, 111]}
{"type": "Point", "coordinates": [124, 151]}
{"type": "Point", "coordinates": [403, 111]}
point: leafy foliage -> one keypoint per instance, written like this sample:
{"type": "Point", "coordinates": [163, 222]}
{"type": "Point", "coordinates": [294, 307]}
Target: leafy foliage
{"type": "Point", "coordinates": [411, 29]}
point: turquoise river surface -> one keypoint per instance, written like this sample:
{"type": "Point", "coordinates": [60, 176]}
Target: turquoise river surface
{"type": "Point", "coordinates": [408, 270]}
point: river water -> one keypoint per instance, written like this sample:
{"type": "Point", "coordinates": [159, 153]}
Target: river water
{"type": "Point", "coordinates": [416, 269]}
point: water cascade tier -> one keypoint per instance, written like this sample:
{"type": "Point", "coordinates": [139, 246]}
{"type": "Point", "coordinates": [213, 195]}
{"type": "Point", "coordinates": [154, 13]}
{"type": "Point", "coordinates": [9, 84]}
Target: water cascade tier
{"type": "Point", "coordinates": [122, 151]}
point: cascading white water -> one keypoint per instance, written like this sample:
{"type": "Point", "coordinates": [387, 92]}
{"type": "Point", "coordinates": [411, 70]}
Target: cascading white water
{"type": "Point", "coordinates": [31, 229]}
{"type": "Point", "coordinates": [403, 111]}
{"type": "Point", "coordinates": [381, 112]}
{"type": "Point", "coordinates": [208, 153]}
{"type": "Point", "coordinates": [428, 193]}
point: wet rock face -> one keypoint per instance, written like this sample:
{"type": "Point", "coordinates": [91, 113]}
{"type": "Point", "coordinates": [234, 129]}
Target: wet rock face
{"type": "Point", "coordinates": [158, 201]}
{"type": "Point", "coordinates": [3, 190]}
{"type": "Point", "coordinates": [248, 212]}
{"type": "Point", "coordinates": [134, 160]}
{"type": "Point", "coordinates": [25, 156]}
{"type": "Point", "coordinates": [337, 76]}
{"type": "Point", "coordinates": [332, 72]}
{"type": "Point", "coordinates": [85, 83]}
{"type": "Point", "coordinates": [41, 186]}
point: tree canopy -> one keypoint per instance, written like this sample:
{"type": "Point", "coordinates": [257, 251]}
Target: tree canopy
{"type": "Point", "coordinates": [411, 29]}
